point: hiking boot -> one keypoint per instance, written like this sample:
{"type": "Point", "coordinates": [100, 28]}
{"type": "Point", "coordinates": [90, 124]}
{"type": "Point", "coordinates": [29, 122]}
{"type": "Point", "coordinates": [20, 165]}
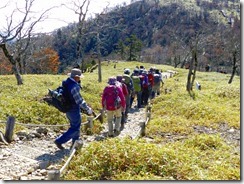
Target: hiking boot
{"type": "Point", "coordinates": [58, 145]}
{"type": "Point", "coordinates": [116, 132]}
{"type": "Point", "coordinates": [110, 135]}
{"type": "Point", "coordinates": [71, 145]}
{"type": "Point", "coordinates": [122, 126]}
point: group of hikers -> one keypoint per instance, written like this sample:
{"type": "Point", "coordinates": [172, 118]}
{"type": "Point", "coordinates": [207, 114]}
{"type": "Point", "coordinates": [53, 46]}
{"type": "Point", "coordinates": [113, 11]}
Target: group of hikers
{"type": "Point", "coordinates": [122, 90]}
{"type": "Point", "coordinates": [117, 99]}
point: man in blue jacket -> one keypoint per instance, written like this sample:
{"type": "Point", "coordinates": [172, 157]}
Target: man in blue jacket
{"type": "Point", "coordinates": [72, 91]}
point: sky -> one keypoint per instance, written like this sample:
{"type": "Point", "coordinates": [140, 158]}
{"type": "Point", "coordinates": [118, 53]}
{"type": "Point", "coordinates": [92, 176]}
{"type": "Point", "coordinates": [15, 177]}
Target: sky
{"type": "Point", "coordinates": [57, 17]}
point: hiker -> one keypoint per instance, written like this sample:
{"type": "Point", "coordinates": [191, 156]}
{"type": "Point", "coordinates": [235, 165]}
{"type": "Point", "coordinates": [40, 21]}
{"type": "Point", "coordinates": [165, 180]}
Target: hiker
{"type": "Point", "coordinates": [122, 85]}
{"type": "Point", "coordinates": [150, 81]}
{"type": "Point", "coordinates": [129, 83]}
{"type": "Point", "coordinates": [74, 113]}
{"type": "Point", "coordinates": [145, 90]}
{"type": "Point", "coordinates": [157, 83]}
{"type": "Point", "coordinates": [137, 88]}
{"type": "Point", "coordinates": [141, 69]}
{"type": "Point", "coordinates": [113, 101]}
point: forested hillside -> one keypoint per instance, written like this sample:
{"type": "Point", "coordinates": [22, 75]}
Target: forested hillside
{"type": "Point", "coordinates": [156, 31]}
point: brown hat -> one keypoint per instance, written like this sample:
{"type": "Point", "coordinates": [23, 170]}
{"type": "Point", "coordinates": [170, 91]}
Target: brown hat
{"type": "Point", "coordinates": [75, 72]}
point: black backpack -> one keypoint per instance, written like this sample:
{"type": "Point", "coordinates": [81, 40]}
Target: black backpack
{"type": "Point", "coordinates": [59, 99]}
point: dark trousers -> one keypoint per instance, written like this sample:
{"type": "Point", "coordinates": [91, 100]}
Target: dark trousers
{"type": "Point", "coordinates": [73, 132]}
{"type": "Point", "coordinates": [145, 96]}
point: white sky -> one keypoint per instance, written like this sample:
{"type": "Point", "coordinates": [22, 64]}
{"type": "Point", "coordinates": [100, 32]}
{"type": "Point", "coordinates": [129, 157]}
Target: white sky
{"type": "Point", "coordinates": [57, 17]}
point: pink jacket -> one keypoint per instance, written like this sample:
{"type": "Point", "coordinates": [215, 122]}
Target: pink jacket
{"type": "Point", "coordinates": [105, 95]}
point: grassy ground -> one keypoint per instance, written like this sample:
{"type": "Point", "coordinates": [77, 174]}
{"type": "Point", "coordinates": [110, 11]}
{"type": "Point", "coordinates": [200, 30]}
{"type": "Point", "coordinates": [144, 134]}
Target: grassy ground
{"type": "Point", "coordinates": [197, 156]}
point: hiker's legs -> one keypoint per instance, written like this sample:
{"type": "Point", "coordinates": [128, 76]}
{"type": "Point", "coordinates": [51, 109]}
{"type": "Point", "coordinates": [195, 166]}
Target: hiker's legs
{"type": "Point", "coordinates": [139, 94]}
{"type": "Point", "coordinates": [110, 117]}
{"type": "Point", "coordinates": [122, 118]}
{"type": "Point", "coordinates": [127, 98]}
{"type": "Point", "coordinates": [132, 98]}
{"type": "Point", "coordinates": [73, 132]}
{"type": "Point", "coordinates": [150, 91]}
{"type": "Point", "coordinates": [145, 96]}
{"type": "Point", "coordinates": [153, 91]}
{"type": "Point", "coordinates": [117, 119]}
{"type": "Point", "coordinates": [142, 96]}
{"type": "Point", "coordinates": [153, 95]}
{"type": "Point", "coordinates": [157, 89]}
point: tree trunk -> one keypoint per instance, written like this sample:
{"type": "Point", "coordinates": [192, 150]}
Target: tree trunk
{"type": "Point", "coordinates": [130, 52]}
{"type": "Point", "coordinates": [184, 61]}
{"type": "Point", "coordinates": [14, 64]}
{"type": "Point", "coordinates": [99, 70]}
{"type": "Point", "coordinates": [188, 85]}
{"type": "Point", "coordinates": [195, 62]}
{"type": "Point", "coordinates": [17, 75]}
{"type": "Point", "coordinates": [233, 68]}
{"type": "Point", "coordinates": [192, 70]}
{"type": "Point", "coordinates": [99, 58]}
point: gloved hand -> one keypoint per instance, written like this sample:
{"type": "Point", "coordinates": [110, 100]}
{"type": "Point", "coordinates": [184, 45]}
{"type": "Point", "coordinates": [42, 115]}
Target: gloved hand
{"type": "Point", "coordinates": [89, 111]}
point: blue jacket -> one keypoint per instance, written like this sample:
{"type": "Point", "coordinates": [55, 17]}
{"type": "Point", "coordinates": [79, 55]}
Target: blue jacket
{"type": "Point", "coordinates": [72, 91]}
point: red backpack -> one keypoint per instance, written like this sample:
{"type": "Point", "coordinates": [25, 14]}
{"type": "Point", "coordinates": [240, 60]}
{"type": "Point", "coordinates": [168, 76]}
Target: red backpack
{"type": "Point", "coordinates": [111, 99]}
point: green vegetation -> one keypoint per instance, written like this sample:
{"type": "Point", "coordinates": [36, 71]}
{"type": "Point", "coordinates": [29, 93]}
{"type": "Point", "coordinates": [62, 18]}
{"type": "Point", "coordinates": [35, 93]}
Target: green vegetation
{"type": "Point", "coordinates": [217, 102]}
{"type": "Point", "coordinates": [197, 156]}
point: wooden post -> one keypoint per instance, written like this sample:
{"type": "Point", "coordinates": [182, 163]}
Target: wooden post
{"type": "Point", "coordinates": [78, 144]}
{"type": "Point", "coordinates": [9, 128]}
{"type": "Point", "coordinates": [149, 115]}
{"type": "Point", "coordinates": [89, 125]}
{"type": "Point", "coordinates": [90, 120]}
{"type": "Point", "coordinates": [101, 116]}
{"type": "Point", "coordinates": [143, 128]}
{"type": "Point", "coordinates": [54, 175]}
{"type": "Point", "coordinates": [149, 108]}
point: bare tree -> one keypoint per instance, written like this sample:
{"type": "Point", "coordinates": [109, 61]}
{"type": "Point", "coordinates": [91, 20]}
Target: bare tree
{"type": "Point", "coordinates": [99, 25]}
{"type": "Point", "coordinates": [101, 22]}
{"type": "Point", "coordinates": [80, 8]}
{"type": "Point", "coordinates": [234, 49]}
{"type": "Point", "coordinates": [16, 36]}
{"type": "Point", "coordinates": [196, 45]}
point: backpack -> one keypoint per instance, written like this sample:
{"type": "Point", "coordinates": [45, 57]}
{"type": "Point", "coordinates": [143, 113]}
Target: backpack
{"type": "Point", "coordinates": [112, 99]}
{"type": "Point", "coordinates": [150, 79]}
{"type": "Point", "coordinates": [128, 82]}
{"type": "Point", "coordinates": [156, 78]}
{"type": "Point", "coordinates": [144, 79]}
{"type": "Point", "coordinates": [124, 88]}
{"type": "Point", "coordinates": [58, 99]}
{"type": "Point", "coordinates": [137, 83]}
